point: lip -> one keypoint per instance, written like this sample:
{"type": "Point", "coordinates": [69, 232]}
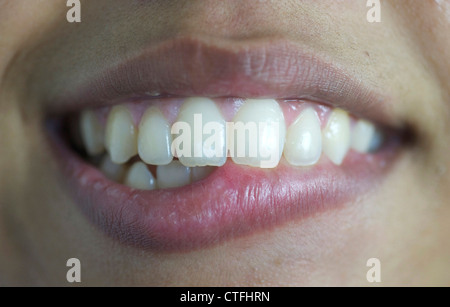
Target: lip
{"type": "Point", "coordinates": [235, 200]}
{"type": "Point", "coordinates": [188, 66]}
{"type": "Point", "coordinates": [232, 202]}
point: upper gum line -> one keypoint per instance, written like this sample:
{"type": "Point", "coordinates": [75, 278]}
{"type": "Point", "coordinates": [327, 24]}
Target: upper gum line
{"type": "Point", "coordinates": [228, 107]}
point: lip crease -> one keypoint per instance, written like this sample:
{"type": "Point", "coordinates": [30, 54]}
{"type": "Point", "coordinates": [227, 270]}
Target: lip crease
{"type": "Point", "coordinates": [234, 200]}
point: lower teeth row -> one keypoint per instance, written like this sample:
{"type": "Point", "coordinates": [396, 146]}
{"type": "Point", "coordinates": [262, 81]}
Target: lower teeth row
{"type": "Point", "coordinates": [137, 175]}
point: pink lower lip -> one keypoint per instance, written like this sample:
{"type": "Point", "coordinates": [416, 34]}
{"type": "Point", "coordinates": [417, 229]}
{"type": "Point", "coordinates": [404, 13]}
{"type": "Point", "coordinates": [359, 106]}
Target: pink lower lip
{"type": "Point", "coordinates": [234, 201]}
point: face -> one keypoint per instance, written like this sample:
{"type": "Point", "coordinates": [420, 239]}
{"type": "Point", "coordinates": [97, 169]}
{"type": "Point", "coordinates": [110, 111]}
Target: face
{"type": "Point", "coordinates": [351, 147]}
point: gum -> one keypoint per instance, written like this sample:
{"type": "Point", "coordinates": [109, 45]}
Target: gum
{"type": "Point", "coordinates": [228, 106]}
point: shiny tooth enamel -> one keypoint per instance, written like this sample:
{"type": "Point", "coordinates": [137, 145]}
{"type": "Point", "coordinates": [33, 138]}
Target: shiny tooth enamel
{"type": "Point", "coordinates": [172, 175]}
{"type": "Point", "coordinates": [258, 122]}
{"type": "Point", "coordinates": [304, 139]}
{"type": "Point", "coordinates": [362, 135]}
{"type": "Point", "coordinates": [207, 133]}
{"type": "Point", "coordinates": [336, 136]}
{"type": "Point", "coordinates": [112, 170]}
{"type": "Point", "coordinates": [199, 173]}
{"type": "Point", "coordinates": [263, 146]}
{"type": "Point", "coordinates": [154, 138]}
{"type": "Point", "coordinates": [121, 135]}
{"type": "Point", "coordinates": [92, 133]}
{"type": "Point", "coordinates": [139, 177]}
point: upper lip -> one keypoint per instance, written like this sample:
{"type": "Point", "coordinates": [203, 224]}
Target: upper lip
{"type": "Point", "coordinates": [192, 67]}
{"type": "Point", "coordinates": [232, 202]}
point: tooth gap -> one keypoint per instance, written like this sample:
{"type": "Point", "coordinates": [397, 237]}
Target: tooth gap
{"type": "Point", "coordinates": [71, 132]}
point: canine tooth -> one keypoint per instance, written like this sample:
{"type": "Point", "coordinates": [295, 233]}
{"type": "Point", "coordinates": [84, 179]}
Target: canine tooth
{"type": "Point", "coordinates": [154, 138]}
{"type": "Point", "coordinates": [139, 177]}
{"type": "Point", "coordinates": [362, 135]}
{"type": "Point", "coordinates": [199, 173]}
{"type": "Point", "coordinates": [336, 136]}
{"type": "Point", "coordinates": [172, 175]}
{"type": "Point", "coordinates": [91, 133]}
{"type": "Point", "coordinates": [264, 121]}
{"type": "Point", "coordinates": [304, 139]}
{"type": "Point", "coordinates": [113, 171]}
{"type": "Point", "coordinates": [121, 136]}
{"type": "Point", "coordinates": [207, 133]}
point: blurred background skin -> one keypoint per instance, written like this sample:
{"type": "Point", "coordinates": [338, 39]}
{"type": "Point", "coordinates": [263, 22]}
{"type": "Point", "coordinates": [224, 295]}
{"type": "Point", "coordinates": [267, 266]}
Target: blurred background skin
{"type": "Point", "coordinates": [404, 222]}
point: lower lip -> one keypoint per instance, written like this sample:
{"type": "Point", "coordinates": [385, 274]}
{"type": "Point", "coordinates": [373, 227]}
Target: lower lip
{"type": "Point", "coordinates": [232, 202]}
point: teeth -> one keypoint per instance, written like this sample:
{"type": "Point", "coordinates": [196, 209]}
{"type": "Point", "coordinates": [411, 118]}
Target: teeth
{"type": "Point", "coordinates": [263, 141]}
{"type": "Point", "coordinates": [201, 139]}
{"type": "Point", "coordinates": [336, 136]}
{"type": "Point", "coordinates": [114, 172]}
{"type": "Point", "coordinates": [139, 177]}
{"type": "Point", "coordinates": [207, 133]}
{"type": "Point", "coordinates": [121, 136]}
{"type": "Point", "coordinates": [199, 173]}
{"type": "Point", "coordinates": [173, 175]}
{"type": "Point", "coordinates": [91, 133]}
{"type": "Point", "coordinates": [362, 136]}
{"type": "Point", "coordinates": [304, 140]}
{"type": "Point", "coordinates": [154, 138]}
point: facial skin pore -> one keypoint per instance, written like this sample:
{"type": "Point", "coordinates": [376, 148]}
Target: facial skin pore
{"type": "Point", "coordinates": [403, 220]}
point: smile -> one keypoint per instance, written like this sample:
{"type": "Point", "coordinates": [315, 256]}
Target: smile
{"type": "Point", "coordinates": [216, 142]}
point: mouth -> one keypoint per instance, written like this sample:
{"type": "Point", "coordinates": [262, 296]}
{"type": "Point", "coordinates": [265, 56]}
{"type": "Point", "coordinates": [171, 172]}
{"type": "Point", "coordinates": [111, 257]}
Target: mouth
{"type": "Point", "coordinates": [321, 140]}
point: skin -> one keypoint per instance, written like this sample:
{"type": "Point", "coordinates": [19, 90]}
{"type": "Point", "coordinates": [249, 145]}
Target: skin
{"type": "Point", "coordinates": [403, 221]}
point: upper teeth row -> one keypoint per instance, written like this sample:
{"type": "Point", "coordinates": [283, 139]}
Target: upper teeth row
{"type": "Point", "coordinates": [302, 143]}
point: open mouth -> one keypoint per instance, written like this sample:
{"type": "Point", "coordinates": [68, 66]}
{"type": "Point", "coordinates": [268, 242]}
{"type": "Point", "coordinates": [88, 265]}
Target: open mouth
{"type": "Point", "coordinates": [192, 144]}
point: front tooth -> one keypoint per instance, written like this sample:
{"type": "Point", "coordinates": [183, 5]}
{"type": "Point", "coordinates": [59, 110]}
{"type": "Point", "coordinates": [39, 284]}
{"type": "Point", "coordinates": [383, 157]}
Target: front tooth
{"type": "Point", "coordinates": [139, 177]}
{"type": "Point", "coordinates": [263, 145]}
{"type": "Point", "coordinates": [172, 175]}
{"type": "Point", "coordinates": [154, 138]}
{"type": "Point", "coordinates": [304, 139]}
{"type": "Point", "coordinates": [199, 173]}
{"type": "Point", "coordinates": [206, 147]}
{"type": "Point", "coordinates": [362, 136]}
{"type": "Point", "coordinates": [112, 170]}
{"type": "Point", "coordinates": [336, 136]}
{"type": "Point", "coordinates": [121, 136]}
{"type": "Point", "coordinates": [91, 133]}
